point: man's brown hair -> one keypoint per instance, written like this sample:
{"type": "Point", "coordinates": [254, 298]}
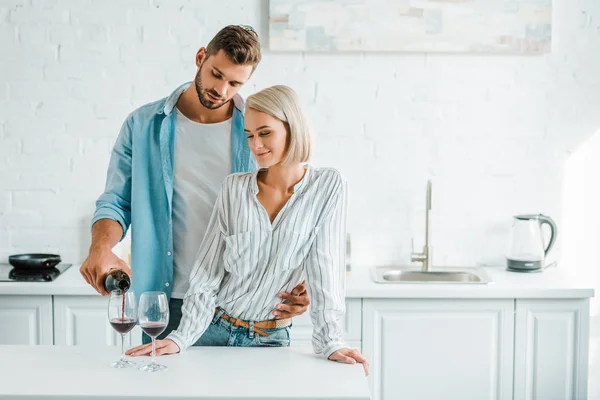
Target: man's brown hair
{"type": "Point", "coordinates": [240, 44]}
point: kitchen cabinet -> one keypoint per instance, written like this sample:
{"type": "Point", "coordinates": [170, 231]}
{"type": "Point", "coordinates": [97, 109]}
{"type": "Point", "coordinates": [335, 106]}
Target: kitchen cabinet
{"type": "Point", "coordinates": [26, 319]}
{"type": "Point", "coordinates": [477, 349]}
{"type": "Point", "coordinates": [439, 348]}
{"type": "Point", "coordinates": [83, 320]}
{"type": "Point", "coordinates": [524, 337]}
{"type": "Point", "coordinates": [551, 351]}
{"type": "Point", "coordinates": [301, 333]}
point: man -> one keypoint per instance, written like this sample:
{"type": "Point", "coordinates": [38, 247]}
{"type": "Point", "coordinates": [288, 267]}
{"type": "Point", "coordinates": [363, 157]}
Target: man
{"type": "Point", "coordinates": [166, 170]}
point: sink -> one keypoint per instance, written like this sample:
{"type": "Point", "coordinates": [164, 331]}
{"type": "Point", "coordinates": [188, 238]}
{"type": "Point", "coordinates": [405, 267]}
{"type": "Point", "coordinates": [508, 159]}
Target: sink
{"type": "Point", "coordinates": [460, 275]}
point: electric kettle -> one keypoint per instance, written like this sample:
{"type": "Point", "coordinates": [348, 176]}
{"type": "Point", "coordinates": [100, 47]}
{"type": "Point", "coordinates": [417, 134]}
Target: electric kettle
{"type": "Point", "coordinates": [526, 247]}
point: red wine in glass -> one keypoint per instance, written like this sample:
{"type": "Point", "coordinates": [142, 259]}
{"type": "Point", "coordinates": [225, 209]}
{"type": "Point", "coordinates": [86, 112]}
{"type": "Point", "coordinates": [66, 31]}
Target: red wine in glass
{"type": "Point", "coordinates": [122, 315]}
{"type": "Point", "coordinates": [153, 315]}
{"type": "Point", "coordinates": [153, 329]}
{"type": "Point", "coordinates": [123, 325]}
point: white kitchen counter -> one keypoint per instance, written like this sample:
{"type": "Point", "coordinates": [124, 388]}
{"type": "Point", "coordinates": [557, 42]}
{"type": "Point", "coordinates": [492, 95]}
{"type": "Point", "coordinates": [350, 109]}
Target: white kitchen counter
{"type": "Point", "coordinates": [69, 282]}
{"type": "Point", "coordinates": [56, 372]}
{"type": "Point", "coordinates": [551, 283]}
{"type": "Point", "coordinates": [554, 283]}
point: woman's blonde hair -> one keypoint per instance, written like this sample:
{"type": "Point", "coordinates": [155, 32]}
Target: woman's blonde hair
{"type": "Point", "coordinates": [283, 103]}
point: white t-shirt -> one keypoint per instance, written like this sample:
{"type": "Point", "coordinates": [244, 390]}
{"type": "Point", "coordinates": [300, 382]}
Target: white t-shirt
{"type": "Point", "coordinates": [202, 161]}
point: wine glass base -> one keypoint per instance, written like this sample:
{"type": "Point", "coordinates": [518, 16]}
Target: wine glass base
{"type": "Point", "coordinates": [123, 364]}
{"type": "Point", "coordinates": [153, 367]}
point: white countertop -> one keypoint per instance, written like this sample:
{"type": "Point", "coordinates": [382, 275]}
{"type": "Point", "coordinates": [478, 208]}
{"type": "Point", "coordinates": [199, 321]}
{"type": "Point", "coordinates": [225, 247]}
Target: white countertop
{"type": "Point", "coordinates": [551, 283]}
{"type": "Point", "coordinates": [55, 372]}
{"type": "Point", "coordinates": [69, 282]}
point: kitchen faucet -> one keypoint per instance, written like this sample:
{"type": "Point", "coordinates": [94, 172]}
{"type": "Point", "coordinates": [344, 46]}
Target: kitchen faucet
{"type": "Point", "coordinates": [425, 256]}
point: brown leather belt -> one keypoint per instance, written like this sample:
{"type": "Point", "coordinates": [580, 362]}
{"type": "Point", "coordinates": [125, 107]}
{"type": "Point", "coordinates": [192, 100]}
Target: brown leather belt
{"type": "Point", "coordinates": [267, 324]}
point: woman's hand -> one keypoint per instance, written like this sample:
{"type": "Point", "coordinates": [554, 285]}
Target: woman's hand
{"type": "Point", "coordinates": [350, 356]}
{"type": "Point", "coordinates": [165, 346]}
{"type": "Point", "coordinates": [294, 304]}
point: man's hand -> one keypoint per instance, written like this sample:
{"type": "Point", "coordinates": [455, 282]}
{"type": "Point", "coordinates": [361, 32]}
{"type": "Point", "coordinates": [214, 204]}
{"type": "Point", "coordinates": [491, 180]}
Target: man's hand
{"type": "Point", "coordinates": [96, 266]}
{"type": "Point", "coordinates": [294, 304]}
{"type": "Point", "coordinates": [164, 346]}
{"type": "Point", "coordinates": [350, 356]}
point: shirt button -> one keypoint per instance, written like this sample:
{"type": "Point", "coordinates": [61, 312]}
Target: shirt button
{"type": "Point", "coordinates": [168, 253]}
{"type": "Point", "coordinates": [167, 284]}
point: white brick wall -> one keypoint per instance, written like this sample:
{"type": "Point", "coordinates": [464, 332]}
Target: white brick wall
{"type": "Point", "coordinates": [493, 132]}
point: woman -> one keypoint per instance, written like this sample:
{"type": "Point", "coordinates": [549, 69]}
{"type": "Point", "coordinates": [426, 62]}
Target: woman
{"type": "Point", "coordinates": [270, 230]}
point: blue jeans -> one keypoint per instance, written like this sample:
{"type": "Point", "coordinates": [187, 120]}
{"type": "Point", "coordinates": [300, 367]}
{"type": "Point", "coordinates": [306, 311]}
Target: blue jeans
{"type": "Point", "coordinates": [221, 332]}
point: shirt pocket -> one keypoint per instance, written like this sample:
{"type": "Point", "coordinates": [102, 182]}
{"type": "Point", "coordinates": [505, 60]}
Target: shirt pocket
{"type": "Point", "coordinates": [292, 249]}
{"type": "Point", "coordinates": [240, 253]}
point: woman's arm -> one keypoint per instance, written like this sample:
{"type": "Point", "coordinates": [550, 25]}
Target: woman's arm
{"type": "Point", "coordinates": [205, 279]}
{"type": "Point", "coordinates": [326, 274]}
{"type": "Point", "coordinates": [208, 272]}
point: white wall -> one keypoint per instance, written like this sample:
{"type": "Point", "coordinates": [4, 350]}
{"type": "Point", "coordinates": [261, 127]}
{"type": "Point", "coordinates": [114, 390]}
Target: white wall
{"type": "Point", "coordinates": [581, 214]}
{"type": "Point", "coordinates": [493, 132]}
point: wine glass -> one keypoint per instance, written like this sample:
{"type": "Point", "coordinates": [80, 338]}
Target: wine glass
{"type": "Point", "coordinates": [153, 317]}
{"type": "Point", "coordinates": [122, 315]}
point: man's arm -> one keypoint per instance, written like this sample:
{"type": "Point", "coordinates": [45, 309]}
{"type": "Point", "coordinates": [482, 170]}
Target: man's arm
{"type": "Point", "coordinates": [113, 214]}
{"type": "Point", "coordinates": [106, 233]}
{"type": "Point", "coordinates": [294, 304]}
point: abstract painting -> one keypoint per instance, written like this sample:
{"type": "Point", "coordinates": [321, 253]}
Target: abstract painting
{"type": "Point", "coordinates": [457, 26]}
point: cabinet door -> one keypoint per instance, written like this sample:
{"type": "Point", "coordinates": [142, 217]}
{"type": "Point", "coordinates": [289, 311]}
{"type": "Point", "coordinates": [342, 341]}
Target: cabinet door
{"type": "Point", "coordinates": [301, 333]}
{"type": "Point", "coordinates": [551, 349]}
{"type": "Point", "coordinates": [83, 320]}
{"type": "Point", "coordinates": [26, 319]}
{"type": "Point", "coordinates": [439, 348]}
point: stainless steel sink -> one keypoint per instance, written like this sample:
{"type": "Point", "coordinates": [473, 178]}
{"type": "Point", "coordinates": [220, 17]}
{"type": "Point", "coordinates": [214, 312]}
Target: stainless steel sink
{"type": "Point", "coordinates": [427, 273]}
{"type": "Point", "coordinates": [470, 275]}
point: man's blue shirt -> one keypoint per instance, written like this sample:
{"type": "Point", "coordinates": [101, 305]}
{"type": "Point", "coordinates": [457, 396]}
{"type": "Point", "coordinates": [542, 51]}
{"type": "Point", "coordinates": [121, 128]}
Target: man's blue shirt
{"type": "Point", "coordinates": [139, 186]}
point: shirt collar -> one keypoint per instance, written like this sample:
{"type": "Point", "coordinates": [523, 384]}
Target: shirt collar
{"type": "Point", "coordinates": [297, 187]}
{"type": "Point", "coordinates": [171, 101]}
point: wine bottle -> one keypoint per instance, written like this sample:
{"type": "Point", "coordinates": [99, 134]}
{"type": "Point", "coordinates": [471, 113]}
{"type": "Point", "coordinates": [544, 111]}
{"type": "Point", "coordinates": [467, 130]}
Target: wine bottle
{"type": "Point", "coordinates": [116, 279]}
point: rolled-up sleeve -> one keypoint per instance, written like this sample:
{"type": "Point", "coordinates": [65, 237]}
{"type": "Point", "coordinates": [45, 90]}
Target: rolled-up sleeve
{"type": "Point", "coordinates": [115, 202]}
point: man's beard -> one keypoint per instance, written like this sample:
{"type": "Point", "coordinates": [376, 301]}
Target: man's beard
{"type": "Point", "coordinates": [203, 97]}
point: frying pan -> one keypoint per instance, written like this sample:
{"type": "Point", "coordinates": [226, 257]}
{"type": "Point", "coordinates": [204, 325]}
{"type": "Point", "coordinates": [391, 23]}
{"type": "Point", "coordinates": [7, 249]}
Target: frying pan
{"type": "Point", "coordinates": [34, 260]}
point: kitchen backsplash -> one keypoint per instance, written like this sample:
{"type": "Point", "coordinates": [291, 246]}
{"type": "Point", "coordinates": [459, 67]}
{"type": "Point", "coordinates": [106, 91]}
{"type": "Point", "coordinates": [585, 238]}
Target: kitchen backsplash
{"type": "Point", "coordinates": [492, 132]}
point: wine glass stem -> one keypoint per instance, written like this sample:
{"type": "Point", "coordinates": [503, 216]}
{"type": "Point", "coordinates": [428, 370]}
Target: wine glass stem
{"type": "Point", "coordinates": [122, 347]}
{"type": "Point", "coordinates": [153, 350]}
